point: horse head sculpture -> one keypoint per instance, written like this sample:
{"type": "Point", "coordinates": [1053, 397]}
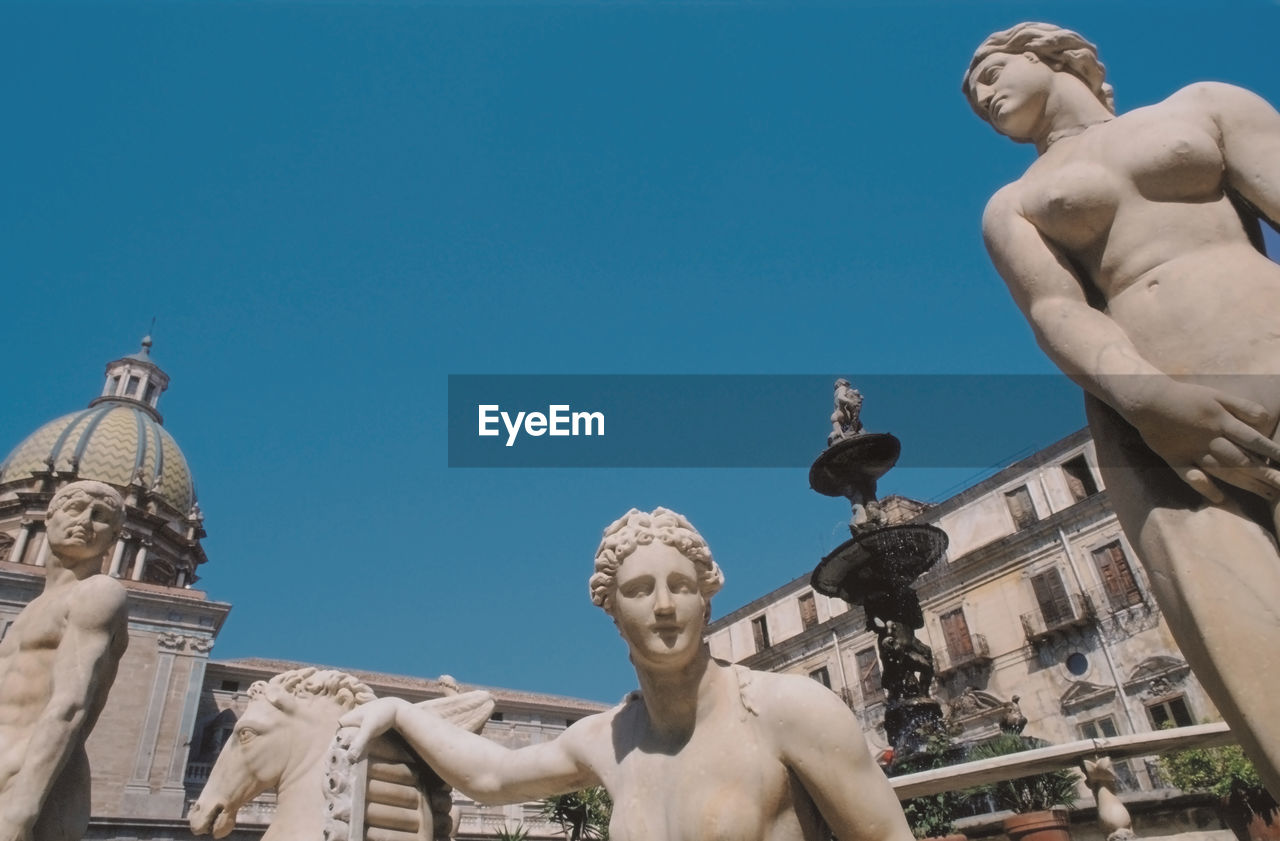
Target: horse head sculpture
{"type": "Point", "coordinates": [283, 741]}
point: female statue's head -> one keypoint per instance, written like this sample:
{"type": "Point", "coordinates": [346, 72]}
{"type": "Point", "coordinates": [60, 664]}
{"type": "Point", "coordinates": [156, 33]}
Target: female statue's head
{"type": "Point", "coordinates": [638, 528]}
{"type": "Point", "coordinates": [1059, 49]}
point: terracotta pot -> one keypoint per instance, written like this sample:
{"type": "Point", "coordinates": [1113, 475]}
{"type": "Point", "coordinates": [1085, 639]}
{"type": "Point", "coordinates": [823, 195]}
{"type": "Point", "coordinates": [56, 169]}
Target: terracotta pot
{"type": "Point", "coordinates": [1038, 826]}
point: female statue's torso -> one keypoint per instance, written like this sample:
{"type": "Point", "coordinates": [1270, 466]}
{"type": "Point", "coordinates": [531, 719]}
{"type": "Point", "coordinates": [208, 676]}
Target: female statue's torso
{"type": "Point", "coordinates": [1138, 205]}
{"type": "Point", "coordinates": [726, 783]}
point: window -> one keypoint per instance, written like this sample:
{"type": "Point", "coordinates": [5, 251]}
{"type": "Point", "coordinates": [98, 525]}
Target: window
{"type": "Point", "coordinates": [760, 631]}
{"type": "Point", "coordinates": [150, 392]}
{"type": "Point", "coordinates": [1055, 604]}
{"type": "Point", "coordinates": [1019, 502]}
{"type": "Point", "coordinates": [1172, 711]}
{"type": "Point", "coordinates": [1117, 576]}
{"type": "Point", "coordinates": [955, 630]}
{"type": "Point", "coordinates": [495, 716]}
{"type": "Point", "coordinates": [131, 387]}
{"type": "Point", "coordinates": [1099, 728]}
{"type": "Point", "coordinates": [1079, 478]}
{"type": "Point", "coordinates": [868, 674]}
{"type": "Point", "coordinates": [808, 611]}
{"type": "Point", "coordinates": [821, 675]}
{"type": "Point", "coordinates": [230, 686]}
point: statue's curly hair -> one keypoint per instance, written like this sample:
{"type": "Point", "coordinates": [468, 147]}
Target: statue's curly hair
{"type": "Point", "coordinates": [347, 690]}
{"type": "Point", "coordinates": [89, 487]}
{"type": "Point", "coordinates": [1059, 48]}
{"type": "Point", "coordinates": [639, 528]}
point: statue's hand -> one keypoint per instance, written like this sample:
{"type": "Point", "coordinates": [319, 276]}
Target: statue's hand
{"type": "Point", "coordinates": [1202, 432]}
{"type": "Point", "coordinates": [373, 719]}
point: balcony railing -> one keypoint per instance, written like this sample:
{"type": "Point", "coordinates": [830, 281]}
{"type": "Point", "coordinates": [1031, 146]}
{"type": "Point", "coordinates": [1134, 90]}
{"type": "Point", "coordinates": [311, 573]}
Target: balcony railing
{"type": "Point", "coordinates": [947, 662]}
{"type": "Point", "coordinates": [1080, 614]}
{"type": "Point", "coordinates": [198, 773]}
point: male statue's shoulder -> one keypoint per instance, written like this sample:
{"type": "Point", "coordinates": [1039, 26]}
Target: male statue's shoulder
{"type": "Point", "coordinates": [100, 602]}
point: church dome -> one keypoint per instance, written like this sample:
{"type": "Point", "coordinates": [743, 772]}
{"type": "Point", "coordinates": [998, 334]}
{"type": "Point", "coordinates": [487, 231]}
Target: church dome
{"type": "Point", "coordinates": [119, 439]}
{"type": "Point", "coordinates": [113, 442]}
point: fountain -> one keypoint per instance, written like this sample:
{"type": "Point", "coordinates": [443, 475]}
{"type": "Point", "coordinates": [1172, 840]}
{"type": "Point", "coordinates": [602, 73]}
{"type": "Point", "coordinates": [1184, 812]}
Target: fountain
{"type": "Point", "coordinates": [876, 568]}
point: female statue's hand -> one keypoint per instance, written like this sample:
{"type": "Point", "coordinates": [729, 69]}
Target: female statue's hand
{"type": "Point", "coordinates": [1202, 432]}
{"type": "Point", "coordinates": [373, 719]}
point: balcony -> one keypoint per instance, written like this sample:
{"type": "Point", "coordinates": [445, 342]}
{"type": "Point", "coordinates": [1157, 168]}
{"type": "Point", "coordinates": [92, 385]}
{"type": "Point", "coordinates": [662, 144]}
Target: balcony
{"type": "Point", "coordinates": [978, 658]}
{"type": "Point", "coordinates": [1080, 614]}
{"type": "Point", "coordinates": [198, 774]}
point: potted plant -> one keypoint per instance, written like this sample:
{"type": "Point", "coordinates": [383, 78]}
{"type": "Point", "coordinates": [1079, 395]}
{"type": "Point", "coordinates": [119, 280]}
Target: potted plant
{"type": "Point", "coordinates": [1246, 807]}
{"type": "Point", "coordinates": [1039, 801]}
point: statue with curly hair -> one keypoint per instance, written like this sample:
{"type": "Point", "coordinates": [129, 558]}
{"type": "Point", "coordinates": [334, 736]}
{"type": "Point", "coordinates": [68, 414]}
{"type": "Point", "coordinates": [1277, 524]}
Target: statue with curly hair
{"type": "Point", "coordinates": [57, 664]}
{"type": "Point", "coordinates": [672, 755]}
{"type": "Point", "coordinates": [1133, 247]}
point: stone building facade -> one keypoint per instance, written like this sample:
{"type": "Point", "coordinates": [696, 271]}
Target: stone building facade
{"type": "Point", "coordinates": [1039, 598]}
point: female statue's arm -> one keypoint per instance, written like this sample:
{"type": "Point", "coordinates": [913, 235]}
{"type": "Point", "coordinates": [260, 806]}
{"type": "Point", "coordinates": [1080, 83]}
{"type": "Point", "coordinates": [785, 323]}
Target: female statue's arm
{"type": "Point", "coordinates": [1250, 138]}
{"type": "Point", "coordinates": [481, 769]}
{"type": "Point", "coordinates": [1198, 431]}
{"type": "Point", "coordinates": [820, 741]}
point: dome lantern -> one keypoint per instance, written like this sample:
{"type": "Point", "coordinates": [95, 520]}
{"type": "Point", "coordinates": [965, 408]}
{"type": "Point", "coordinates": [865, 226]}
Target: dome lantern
{"type": "Point", "coordinates": [137, 379]}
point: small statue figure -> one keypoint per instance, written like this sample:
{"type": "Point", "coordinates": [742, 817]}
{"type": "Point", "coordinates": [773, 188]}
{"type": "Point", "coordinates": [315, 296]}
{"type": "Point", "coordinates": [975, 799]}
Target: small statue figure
{"type": "Point", "coordinates": [867, 515]}
{"type": "Point", "coordinates": [845, 422]}
{"type": "Point", "coordinates": [666, 753]}
{"type": "Point", "coordinates": [57, 663]}
{"type": "Point", "coordinates": [907, 662]}
{"type": "Point", "coordinates": [1013, 721]}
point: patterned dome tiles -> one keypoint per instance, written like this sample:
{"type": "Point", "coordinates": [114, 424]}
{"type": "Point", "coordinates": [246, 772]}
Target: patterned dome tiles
{"type": "Point", "coordinates": [112, 441]}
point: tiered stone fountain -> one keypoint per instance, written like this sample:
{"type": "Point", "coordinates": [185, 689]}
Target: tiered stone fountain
{"type": "Point", "coordinates": [876, 567]}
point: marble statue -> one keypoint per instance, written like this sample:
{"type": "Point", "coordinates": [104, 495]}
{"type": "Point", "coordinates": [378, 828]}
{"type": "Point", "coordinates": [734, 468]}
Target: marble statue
{"type": "Point", "coordinates": [1132, 245]}
{"type": "Point", "coordinates": [845, 421]}
{"type": "Point", "coordinates": [57, 664]}
{"type": "Point", "coordinates": [288, 739]}
{"type": "Point", "coordinates": [704, 749]}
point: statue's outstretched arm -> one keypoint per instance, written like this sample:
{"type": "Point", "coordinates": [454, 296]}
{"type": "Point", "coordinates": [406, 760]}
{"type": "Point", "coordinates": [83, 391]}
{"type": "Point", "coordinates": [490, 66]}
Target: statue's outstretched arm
{"type": "Point", "coordinates": [481, 769]}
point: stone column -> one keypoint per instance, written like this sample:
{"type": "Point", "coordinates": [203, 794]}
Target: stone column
{"type": "Point", "coordinates": [42, 554]}
{"type": "Point", "coordinates": [140, 561]}
{"type": "Point", "coordinates": [117, 557]}
{"type": "Point", "coordinates": [20, 545]}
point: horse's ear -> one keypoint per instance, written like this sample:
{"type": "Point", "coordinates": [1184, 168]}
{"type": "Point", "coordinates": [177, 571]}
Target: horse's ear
{"type": "Point", "coordinates": [281, 700]}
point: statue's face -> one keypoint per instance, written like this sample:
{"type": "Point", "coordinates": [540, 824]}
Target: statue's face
{"type": "Point", "coordinates": [82, 527]}
{"type": "Point", "coordinates": [1011, 91]}
{"type": "Point", "coordinates": [658, 606]}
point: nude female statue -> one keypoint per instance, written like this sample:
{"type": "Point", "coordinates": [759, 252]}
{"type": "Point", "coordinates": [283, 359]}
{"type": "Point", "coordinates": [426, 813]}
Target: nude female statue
{"type": "Point", "coordinates": [704, 750]}
{"type": "Point", "coordinates": [1133, 248]}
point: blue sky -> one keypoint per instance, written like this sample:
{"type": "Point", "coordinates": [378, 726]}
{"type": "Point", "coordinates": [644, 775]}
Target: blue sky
{"type": "Point", "coordinates": [330, 207]}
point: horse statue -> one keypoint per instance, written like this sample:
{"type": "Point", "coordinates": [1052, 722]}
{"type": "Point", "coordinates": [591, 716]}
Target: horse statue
{"type": "Point", "coordinates": [289, 739]}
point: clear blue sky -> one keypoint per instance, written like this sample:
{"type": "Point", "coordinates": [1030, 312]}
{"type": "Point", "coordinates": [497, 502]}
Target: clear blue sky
{"type": "Point", "coordinates": [329, 207]}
